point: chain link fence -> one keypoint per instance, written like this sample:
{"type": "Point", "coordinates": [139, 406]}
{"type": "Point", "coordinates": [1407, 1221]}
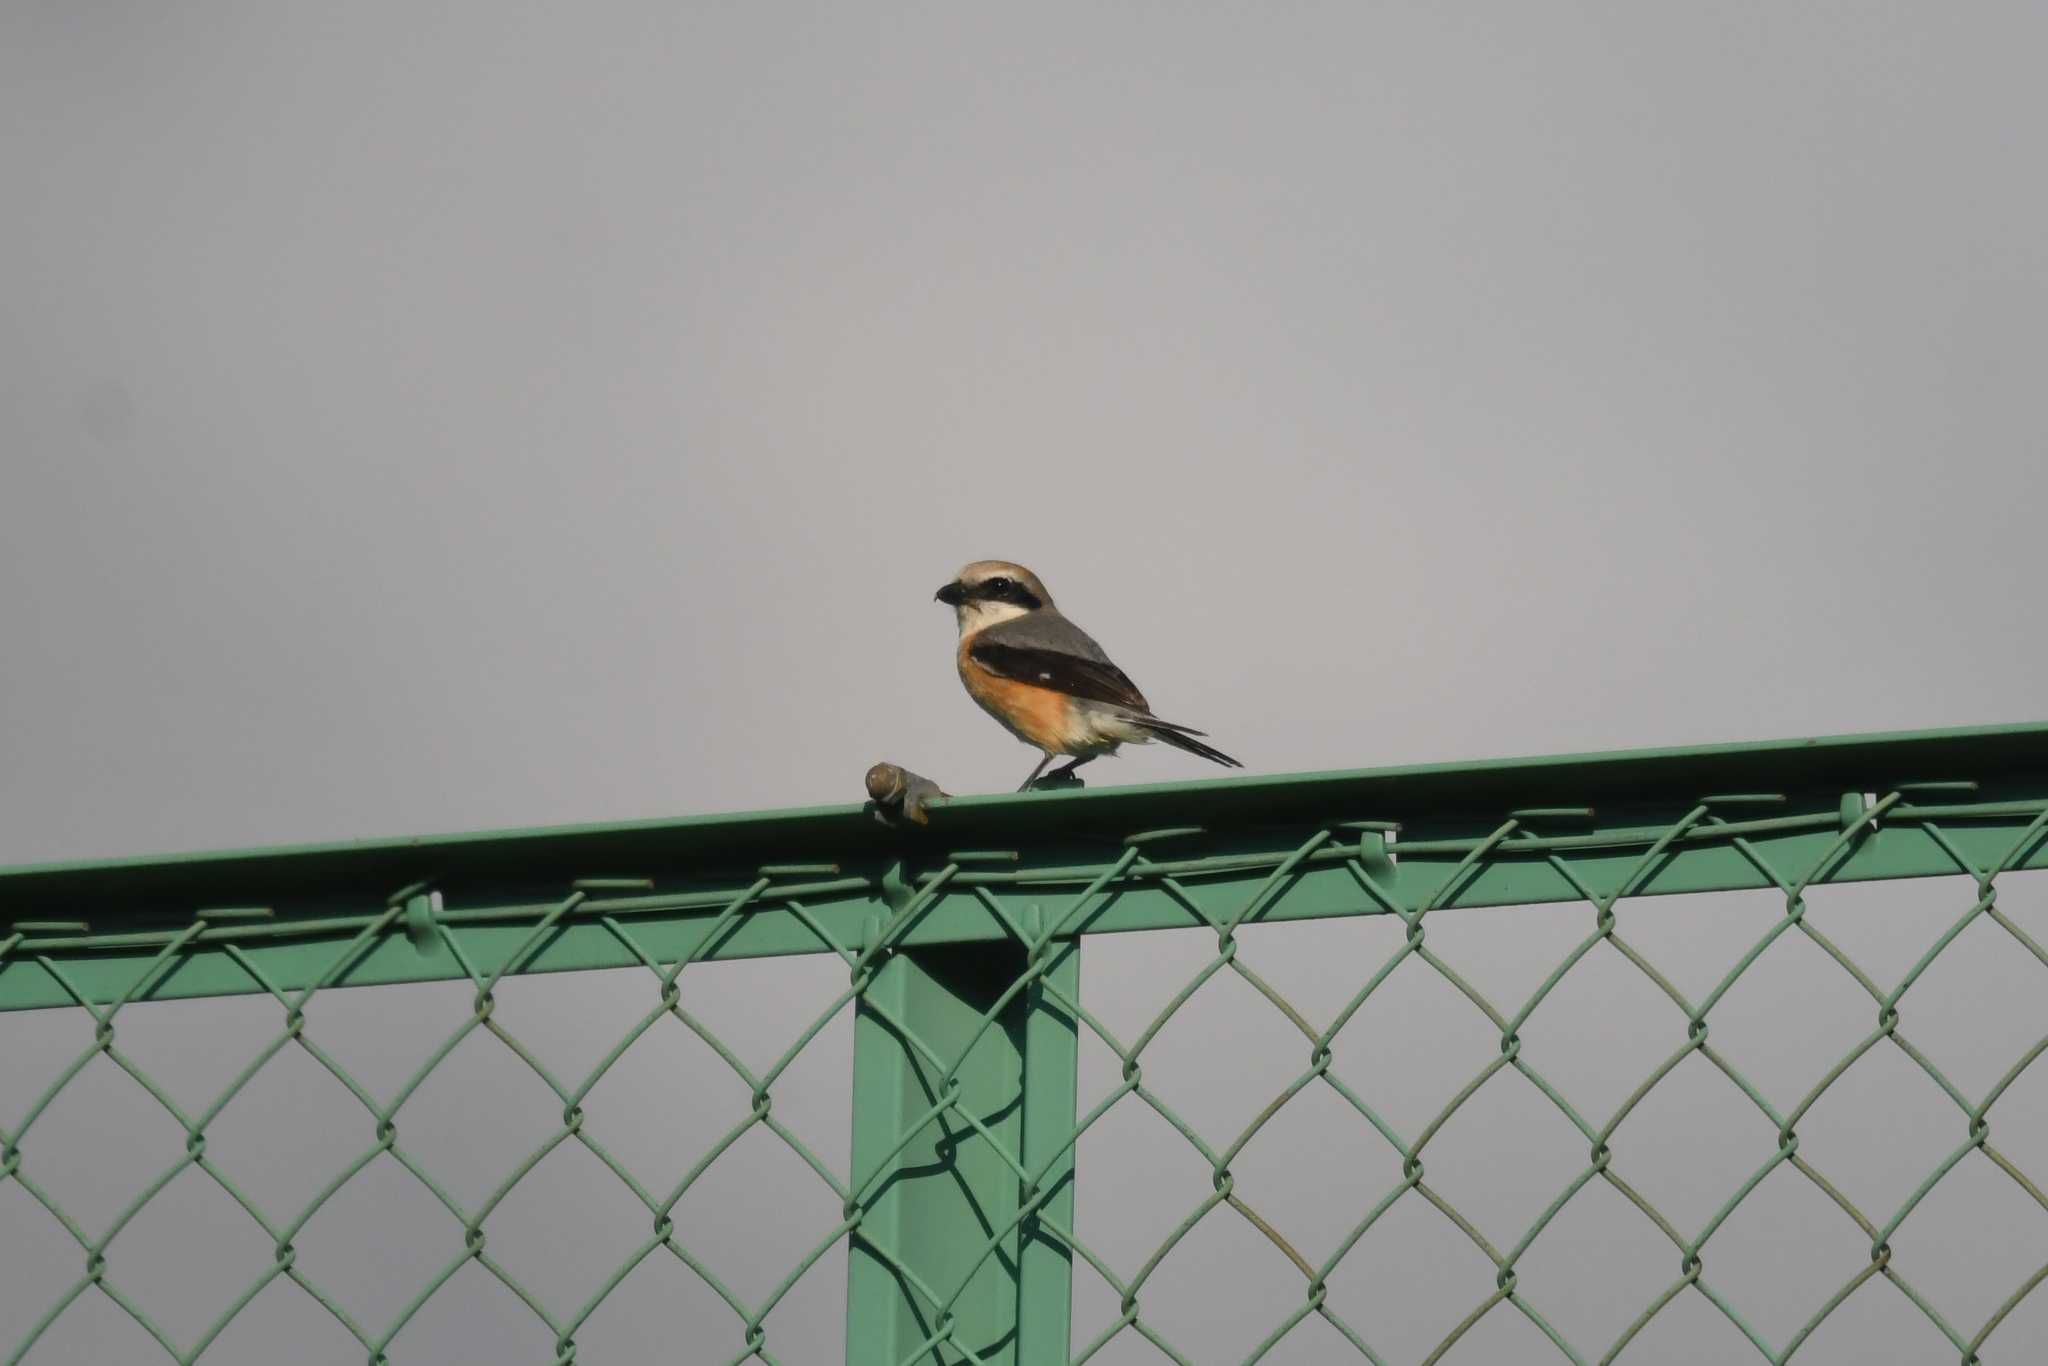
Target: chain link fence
{"type": "Point", "coordinates": [947, 1208]}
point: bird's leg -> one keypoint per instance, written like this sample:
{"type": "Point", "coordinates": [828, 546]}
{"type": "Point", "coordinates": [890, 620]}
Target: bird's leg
{"type": "Point", "coordinates": [1066, 770]}
{"type": "Point", "coordinates": [1036, 771]}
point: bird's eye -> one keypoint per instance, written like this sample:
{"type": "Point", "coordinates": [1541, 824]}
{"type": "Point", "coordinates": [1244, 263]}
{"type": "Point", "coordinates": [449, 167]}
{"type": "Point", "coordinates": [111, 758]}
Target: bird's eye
{"type": "Point", "coordinates": [998, 584]}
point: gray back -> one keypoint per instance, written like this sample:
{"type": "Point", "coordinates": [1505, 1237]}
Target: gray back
{"type": "Point", "coordinates": [1046, 629]}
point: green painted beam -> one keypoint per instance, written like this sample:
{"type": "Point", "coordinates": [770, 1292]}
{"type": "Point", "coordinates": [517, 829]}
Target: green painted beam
{"type": "Point", "coordinates": [351, 914]}
{"type": "Point", "coordinates": [133, 886]}
{"type": "Point", "coordinates": [961, 1153]}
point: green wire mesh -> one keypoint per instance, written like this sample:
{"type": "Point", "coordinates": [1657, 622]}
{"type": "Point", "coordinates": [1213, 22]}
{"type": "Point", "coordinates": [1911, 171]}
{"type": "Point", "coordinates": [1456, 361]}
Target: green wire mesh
{"type": "Point", "coordinates": [381, 1118]}
{"type": "Point", "coordinates": [1180, 868]}
{"type": "Point", "coordinates": [1601, 1163]}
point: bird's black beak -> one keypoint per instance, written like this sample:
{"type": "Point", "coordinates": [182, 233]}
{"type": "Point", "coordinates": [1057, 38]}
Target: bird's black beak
{"type": "Point", "coordinates": [950, 595]}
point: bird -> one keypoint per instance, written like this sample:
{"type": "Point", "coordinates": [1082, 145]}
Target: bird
{"type": "Point", "coordinates": [1045, 679]}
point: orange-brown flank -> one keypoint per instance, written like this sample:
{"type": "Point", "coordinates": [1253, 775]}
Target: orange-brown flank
{"type": "Point", "coordinates": [1037, 716]}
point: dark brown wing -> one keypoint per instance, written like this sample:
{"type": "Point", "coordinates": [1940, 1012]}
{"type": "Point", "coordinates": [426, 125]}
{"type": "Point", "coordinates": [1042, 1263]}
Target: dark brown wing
{"type": "Point", "coordinates": [1093, 679]}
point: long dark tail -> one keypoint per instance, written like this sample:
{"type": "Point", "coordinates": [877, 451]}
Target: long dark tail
{"type": "Point", "coordinates": [1183, 737]}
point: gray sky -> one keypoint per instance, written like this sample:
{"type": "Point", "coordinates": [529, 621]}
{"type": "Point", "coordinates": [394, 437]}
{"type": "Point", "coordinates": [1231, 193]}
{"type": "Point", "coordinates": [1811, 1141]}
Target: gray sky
{"type": "Point", "coordinates": [424, 418]}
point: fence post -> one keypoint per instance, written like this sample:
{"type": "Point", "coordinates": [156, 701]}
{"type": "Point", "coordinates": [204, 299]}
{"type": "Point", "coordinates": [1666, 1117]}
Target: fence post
{"type": "Point", "coordinates": [934, 1202]}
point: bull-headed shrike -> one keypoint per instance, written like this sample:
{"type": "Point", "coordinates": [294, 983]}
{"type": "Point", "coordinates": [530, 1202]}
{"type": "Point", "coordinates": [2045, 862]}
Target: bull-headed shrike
{"type": "Point", "coordinates": [1044, 678]}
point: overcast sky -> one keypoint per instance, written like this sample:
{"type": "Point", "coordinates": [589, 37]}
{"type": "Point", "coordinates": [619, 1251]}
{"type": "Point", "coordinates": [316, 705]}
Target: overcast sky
{"type": "Point", "coordinates": [429, 417]}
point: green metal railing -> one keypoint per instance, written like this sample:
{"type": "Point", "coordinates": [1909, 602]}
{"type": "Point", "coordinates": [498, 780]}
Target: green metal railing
{"type": "Point", "coordinates": [961, 943]}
